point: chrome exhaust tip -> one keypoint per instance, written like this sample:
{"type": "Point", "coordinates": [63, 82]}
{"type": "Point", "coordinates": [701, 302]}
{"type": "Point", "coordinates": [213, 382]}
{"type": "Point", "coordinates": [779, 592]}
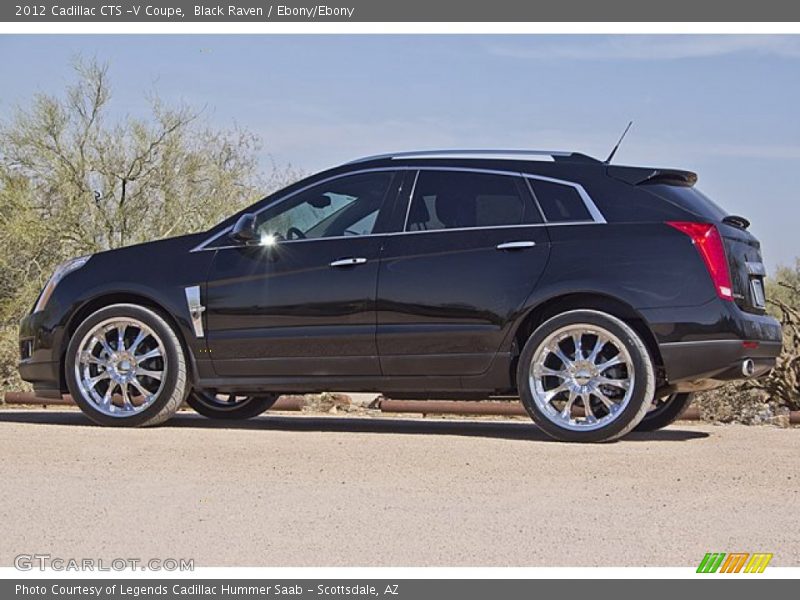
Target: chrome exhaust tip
{"type": "Point", "coordinates": [748, 367]}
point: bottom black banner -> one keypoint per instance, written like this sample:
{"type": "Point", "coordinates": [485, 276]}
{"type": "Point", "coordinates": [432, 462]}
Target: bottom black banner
{"type": "Point", "coordinates": [418, 589]}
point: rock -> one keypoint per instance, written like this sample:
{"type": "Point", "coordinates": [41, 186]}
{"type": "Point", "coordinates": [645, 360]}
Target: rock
{"type": "Point", "coordinates": [326, 402]}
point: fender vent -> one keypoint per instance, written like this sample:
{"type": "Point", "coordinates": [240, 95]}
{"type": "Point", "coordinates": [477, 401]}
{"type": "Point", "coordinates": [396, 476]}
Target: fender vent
{"type": "Point", "coordinates": [196, 309]}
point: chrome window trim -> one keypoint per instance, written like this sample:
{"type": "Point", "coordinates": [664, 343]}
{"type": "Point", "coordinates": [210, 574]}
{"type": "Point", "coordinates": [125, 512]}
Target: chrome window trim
{"type": "Point", "coordinates": [203, 245]}
{"type": "Point", "coordinates": [591, 207]}
{"type": "Point", "coordinates": [300, 241]}
{"type": "Point", "coordinates": [408, 202]}
{"type": "Point", "coordinates": [595, 213]}
{"type": "Point", "coordinates": [396, 233]}
{"type": "Point", "coordinates": [597, 216]}
{"type": "Point", "coordinates": [538, 206]}
{"type": "Point", "coordinates": [483, 227]}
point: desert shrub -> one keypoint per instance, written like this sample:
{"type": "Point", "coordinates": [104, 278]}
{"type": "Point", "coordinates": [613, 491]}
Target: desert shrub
{"type": "Point", "coordinates": [768, 398]}
{"type": "Point", "coordinates": [738, 404]}
{"type": "Point", "coordinates": [75, 180]}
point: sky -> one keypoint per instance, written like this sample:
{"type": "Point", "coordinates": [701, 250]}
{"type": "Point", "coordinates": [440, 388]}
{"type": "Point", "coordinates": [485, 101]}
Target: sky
{"type": "Point", "coordinates": [726, 107]}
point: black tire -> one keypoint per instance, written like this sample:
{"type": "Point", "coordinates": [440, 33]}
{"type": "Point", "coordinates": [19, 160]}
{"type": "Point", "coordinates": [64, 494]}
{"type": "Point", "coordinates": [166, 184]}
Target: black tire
{"type": "Point", "coordinates": [642, 388]}
{"type": "Point", "coordinates": [171, 393]}
{"type": "Point", "coordinates": [208, 405]}
{"type": "Point", "coordinates": [665, 412]}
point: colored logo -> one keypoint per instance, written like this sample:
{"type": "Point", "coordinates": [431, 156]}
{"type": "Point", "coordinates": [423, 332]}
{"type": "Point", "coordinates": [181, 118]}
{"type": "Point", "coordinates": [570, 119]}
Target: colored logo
{"type": "Point", "coordinates": [735, 562]}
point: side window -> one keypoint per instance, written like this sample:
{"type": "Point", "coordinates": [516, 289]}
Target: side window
{"type": "Point", "coordinates": [345, 206]}
{"type": "Point", "coordinates": [560, 202]}
{"type": "Point", "coordinates": [456, 199]}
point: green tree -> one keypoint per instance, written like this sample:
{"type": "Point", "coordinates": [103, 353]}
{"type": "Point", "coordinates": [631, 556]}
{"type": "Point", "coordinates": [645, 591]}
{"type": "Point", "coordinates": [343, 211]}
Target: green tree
{"type": "Point", "coordinates": [74, 180]}
{"type": "Point", "coordinates": [783, 383]}
{"type": "Point", "coordinates": [759, 400]}
{"type": "Point", "coordinates": [783, 287]}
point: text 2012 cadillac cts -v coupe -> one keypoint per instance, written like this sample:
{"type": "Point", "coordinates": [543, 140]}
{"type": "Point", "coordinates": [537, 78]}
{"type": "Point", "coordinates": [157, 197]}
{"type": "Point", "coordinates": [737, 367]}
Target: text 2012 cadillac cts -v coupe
{"type": "Point", "coordinates": [602, 295]}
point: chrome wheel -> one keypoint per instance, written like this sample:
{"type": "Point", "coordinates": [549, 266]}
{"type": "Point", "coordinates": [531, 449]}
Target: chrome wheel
{"type": "Point", "coordinates": [120, 366]}
{"type": "Point", "coordinates": [581, 377]}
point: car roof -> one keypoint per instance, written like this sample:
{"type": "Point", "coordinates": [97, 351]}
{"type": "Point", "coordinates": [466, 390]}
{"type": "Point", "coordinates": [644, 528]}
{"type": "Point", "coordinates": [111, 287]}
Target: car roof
{"type": "Point", "coordinates": [513, 155]}
{"type": "Point", "coordinates": [516, 160]}
{"type": "Point", "coordinates": [544, 162]}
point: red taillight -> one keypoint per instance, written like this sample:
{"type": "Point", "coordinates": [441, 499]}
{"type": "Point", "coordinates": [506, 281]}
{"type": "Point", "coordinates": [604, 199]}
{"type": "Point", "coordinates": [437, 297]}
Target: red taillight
{"type": "Point", "coordinates": [708, 242]}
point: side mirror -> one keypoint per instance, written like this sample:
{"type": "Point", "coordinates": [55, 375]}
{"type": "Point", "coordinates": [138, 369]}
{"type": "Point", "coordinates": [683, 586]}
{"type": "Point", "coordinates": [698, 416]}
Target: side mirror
{"type": "Point", "coordinates": [244, 232]}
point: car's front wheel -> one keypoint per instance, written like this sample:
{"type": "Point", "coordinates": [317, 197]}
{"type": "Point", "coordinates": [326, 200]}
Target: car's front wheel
{"type": "Point", "coordinates": [125, 367]}
{"type": "Point", "coordinates": [230, 406]}
{"type": "Point", "coordinates": [586, 376]}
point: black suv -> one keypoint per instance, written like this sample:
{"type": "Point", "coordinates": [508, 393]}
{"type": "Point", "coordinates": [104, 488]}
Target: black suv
{"type": "Point", "coordinates": [602, 295]}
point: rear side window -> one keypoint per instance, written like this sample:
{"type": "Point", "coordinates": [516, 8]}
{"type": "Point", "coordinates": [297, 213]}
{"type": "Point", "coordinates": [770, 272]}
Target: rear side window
{"type": "Point", "coordinates": [559, 202]}
{"type": "Point", "coordinates": [688, 198]}
{"type": "Point", "coordinates": [455, 199]}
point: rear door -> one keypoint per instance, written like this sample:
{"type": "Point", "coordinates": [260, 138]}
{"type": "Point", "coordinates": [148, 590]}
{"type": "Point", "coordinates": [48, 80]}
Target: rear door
{"type": "Point", "coordinates": [450, 284]}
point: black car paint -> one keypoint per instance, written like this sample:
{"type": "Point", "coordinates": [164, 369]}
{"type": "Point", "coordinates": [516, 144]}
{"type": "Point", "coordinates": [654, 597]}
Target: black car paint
{"type": "Point", "coordinates": [429, 312]}
{"type": "Point", "coordinates": [285, 311]}
{"type": "Point", "coordinates": [153, 279]}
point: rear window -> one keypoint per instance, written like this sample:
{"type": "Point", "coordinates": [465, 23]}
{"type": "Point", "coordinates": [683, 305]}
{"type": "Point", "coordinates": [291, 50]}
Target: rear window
{"type": "Point", "coordinates": [560, 202]}
{"type": "Point", "coordinates": [688, 198]}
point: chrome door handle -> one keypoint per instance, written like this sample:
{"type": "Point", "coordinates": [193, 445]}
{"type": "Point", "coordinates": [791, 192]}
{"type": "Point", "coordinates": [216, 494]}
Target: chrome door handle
{"type": "Point", "coordinates": [348, 262]}
{"type": "Point", "coordinates": [515, 245]}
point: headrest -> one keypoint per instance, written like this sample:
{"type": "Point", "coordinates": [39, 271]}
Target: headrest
{"type": "Point", "coordinates": [418, 213]}
{"type": "Point", "coordinates": [454, 211]}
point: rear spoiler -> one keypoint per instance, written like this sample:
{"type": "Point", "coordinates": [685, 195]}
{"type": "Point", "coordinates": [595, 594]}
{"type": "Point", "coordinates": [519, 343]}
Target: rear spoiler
{"type": "Point", "coordinates": [645, 175]}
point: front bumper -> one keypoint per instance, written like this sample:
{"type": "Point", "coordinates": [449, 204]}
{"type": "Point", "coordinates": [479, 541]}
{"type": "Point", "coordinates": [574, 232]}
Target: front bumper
{"type": "Point", "coordinates": [40, 362]}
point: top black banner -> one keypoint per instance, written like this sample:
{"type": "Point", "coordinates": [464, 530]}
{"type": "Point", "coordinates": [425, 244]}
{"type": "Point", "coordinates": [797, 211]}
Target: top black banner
{"type": "Point", "coordinates": [177, 11]}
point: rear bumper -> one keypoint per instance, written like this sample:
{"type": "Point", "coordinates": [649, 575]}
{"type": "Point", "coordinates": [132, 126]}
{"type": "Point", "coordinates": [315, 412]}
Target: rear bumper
{"type": "Point", "coordinates": [707, 364]}
{"type": "Point", "coordinates": [705, 347]}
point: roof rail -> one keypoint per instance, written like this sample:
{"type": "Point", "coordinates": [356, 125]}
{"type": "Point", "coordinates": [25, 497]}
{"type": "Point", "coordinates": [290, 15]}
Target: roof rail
{"type": "Point", "coordinates": [488, 153]}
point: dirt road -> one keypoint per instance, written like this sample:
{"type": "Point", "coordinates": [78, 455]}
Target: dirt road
{"type": "Point", "coordinates": [299, 490]}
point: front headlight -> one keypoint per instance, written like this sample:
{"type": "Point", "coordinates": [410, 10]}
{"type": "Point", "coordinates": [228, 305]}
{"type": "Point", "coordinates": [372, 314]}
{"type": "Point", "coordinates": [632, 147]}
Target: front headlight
{"type": "Point", "coordinates": [61, 271]}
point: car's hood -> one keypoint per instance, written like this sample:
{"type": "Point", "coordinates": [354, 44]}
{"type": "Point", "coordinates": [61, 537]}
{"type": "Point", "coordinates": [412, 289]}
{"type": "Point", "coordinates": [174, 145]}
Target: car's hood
{"type": "Point", "coordinates": [181, 243]}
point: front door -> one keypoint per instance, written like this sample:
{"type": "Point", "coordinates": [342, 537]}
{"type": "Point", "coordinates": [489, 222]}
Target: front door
{"type": "Point", "coordinates": [451, 284]}
{"type": "Point", "coordinates": [303, 302]}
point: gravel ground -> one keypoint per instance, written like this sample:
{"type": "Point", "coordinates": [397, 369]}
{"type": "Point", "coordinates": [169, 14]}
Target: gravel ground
{"type": "Point", "coordinates": [323, 491]}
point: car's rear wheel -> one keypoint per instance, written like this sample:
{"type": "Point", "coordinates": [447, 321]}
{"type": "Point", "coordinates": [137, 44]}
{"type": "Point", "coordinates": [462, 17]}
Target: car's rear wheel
{"type": "Point", "coordinates": [665, 411]}
{"type": "Point", "coordinates": [586, 376]}
{"type": "Point", "coordinates": [125, 367]}
{"type": "Point", "coordinates": [230, 406]}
